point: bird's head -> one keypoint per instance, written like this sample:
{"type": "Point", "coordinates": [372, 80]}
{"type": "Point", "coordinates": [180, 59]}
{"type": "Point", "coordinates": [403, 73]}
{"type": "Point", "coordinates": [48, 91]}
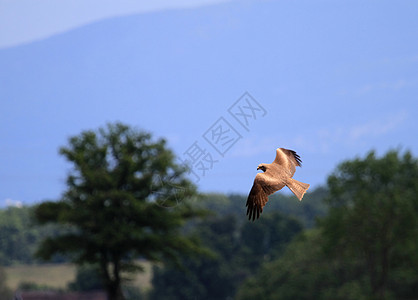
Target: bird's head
{"type": "Point", "coordinates": [261, 167]}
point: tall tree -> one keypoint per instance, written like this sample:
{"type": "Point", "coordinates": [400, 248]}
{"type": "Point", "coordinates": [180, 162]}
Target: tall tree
{"type": "Point", "coordinates": [373, 216]}
{"type": "Point", "coordinates": [120, 204]}
{"type": "Point", "coordinates": [365, 248]}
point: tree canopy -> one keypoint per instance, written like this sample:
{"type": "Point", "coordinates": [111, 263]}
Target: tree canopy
{"type": "Point", "coordinates": [373, 219]}
{"type": "Point", "coordinates": [120, 204]}
{"type": "Point", "coordinates": [366, 247]}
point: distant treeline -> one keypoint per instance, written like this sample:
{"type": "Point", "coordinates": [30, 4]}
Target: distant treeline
{"type": "Point", "coordinates": [20, 235]}
{"type": "Point", "coordinates": [128, 200]}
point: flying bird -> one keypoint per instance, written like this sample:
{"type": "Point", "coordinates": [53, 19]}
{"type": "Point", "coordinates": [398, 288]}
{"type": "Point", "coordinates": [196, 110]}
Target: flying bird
{"type": "Point", "coordinates": [274, 177]}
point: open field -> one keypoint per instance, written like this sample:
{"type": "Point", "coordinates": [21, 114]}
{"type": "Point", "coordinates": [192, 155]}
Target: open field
{"type": "Point", "coordinates": [59, 275]}
{"type": "Point", "coordinates": [53, 275]}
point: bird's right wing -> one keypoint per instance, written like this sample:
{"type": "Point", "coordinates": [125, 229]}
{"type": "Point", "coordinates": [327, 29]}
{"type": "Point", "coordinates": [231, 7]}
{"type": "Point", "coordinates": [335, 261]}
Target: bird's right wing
{"type": "Point", "coordinates": [293, 157]}
{"type": "Point", "coordinates": [288, 159]}
{"type": "Point", "coordinates": [257, 198]}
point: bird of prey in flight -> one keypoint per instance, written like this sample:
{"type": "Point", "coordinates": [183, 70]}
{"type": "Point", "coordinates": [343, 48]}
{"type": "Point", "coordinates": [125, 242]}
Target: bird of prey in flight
{"type": "Point", "coordinates": [274, 177]}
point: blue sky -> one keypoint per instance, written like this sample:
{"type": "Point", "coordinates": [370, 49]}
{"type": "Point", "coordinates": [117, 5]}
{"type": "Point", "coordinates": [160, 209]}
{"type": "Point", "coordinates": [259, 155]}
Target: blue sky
{"type": "Point", "coordinates": [24, 21]}
{"type": "Point", "coordinates": [336, 79]}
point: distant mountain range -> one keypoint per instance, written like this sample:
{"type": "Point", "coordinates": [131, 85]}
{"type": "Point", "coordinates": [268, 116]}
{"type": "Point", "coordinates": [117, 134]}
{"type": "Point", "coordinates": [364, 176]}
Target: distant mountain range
{"type": "Point", "coordinates": [335, 80]}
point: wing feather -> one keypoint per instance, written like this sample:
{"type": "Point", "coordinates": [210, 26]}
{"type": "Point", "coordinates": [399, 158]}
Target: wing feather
{"type": "Point", "coordinates": [293, 156]}
{"type": "Point", "coordinates": [265, 184]}
{"type": "Point", "coordinates": [257, 198]}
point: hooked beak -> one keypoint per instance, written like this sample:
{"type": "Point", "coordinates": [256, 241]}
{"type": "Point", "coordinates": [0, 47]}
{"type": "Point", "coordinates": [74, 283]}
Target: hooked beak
{"type": "Point", "coordinates": [258, 168]}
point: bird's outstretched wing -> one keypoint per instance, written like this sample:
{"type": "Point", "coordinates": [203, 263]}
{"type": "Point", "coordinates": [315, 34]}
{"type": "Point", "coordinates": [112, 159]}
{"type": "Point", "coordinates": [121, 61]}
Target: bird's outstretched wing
{"type": "Point", "coordinates": [293, 157]}
{"type": "Point", "coordinates": [288, 159]}
{"type": "Point", "coordinates": [257, 198]}
{"type": "Point", "coordinates": [276, 175]}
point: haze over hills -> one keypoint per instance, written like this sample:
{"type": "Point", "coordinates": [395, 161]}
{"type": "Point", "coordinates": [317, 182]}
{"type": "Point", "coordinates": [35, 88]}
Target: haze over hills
{"type": "Point", "coordinates": [25, 21]}
{"type": "Point", "coordinates": [335, 80]}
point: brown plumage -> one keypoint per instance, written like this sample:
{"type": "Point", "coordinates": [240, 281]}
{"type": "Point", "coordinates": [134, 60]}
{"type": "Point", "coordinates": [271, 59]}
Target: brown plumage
{"type": "Point", "coordinates": [274, 177]}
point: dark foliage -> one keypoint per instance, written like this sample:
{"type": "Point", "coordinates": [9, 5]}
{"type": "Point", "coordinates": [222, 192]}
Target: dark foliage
{"type": "Point", "coordinates": [19, 236]}
{"type": "Point", "coordinates": [87, 279]}
{"type": "Point", "coordinates": [365, 248]}
{"type": "Point", "coordinates": [120, 204]}
{"type": "Point", "coordinates": [238, 248]}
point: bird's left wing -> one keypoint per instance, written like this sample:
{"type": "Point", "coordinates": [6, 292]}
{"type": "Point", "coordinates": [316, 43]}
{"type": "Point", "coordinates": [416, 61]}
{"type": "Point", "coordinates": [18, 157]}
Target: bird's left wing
{"type": "Point", "coordinates": [257, 198]}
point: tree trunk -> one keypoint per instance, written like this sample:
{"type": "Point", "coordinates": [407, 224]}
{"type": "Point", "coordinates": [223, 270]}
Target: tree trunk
{"type": "Point", "coordinates": [112, 280]}
{"type": "Point", "coordinates": [114, 292]}
{"type": "Point", "coordinates": [384, 274]}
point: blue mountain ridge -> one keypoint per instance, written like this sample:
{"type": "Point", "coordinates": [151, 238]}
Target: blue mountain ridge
{"type": "Point", "coordinates": [176, 72]}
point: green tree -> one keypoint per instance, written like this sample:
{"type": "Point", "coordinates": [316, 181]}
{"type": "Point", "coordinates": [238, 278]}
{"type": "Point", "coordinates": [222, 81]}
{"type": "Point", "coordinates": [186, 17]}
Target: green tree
{"type": "Point", "coordinates": [120, 204]}
{"type": "Point", "coordinates": [373, 219]}
{"type": "Point", "coordinates": [365, 248]}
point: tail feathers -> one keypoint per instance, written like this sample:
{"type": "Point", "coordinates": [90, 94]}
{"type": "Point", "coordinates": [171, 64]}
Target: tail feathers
{"type": "Point", "coordinates": [298, 188]}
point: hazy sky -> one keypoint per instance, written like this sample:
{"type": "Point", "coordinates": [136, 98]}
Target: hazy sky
{"type": "Point", "coordinates": [335, 79]}
{"type": "Point", "coordinates": [23, 21]}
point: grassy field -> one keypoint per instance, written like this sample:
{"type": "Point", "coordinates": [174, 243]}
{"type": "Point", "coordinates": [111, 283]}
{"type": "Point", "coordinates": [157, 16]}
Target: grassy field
{"type": "Point", "coordinates": [59, 275]}
{"type": "Point", "coordinates": [53, 275]}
